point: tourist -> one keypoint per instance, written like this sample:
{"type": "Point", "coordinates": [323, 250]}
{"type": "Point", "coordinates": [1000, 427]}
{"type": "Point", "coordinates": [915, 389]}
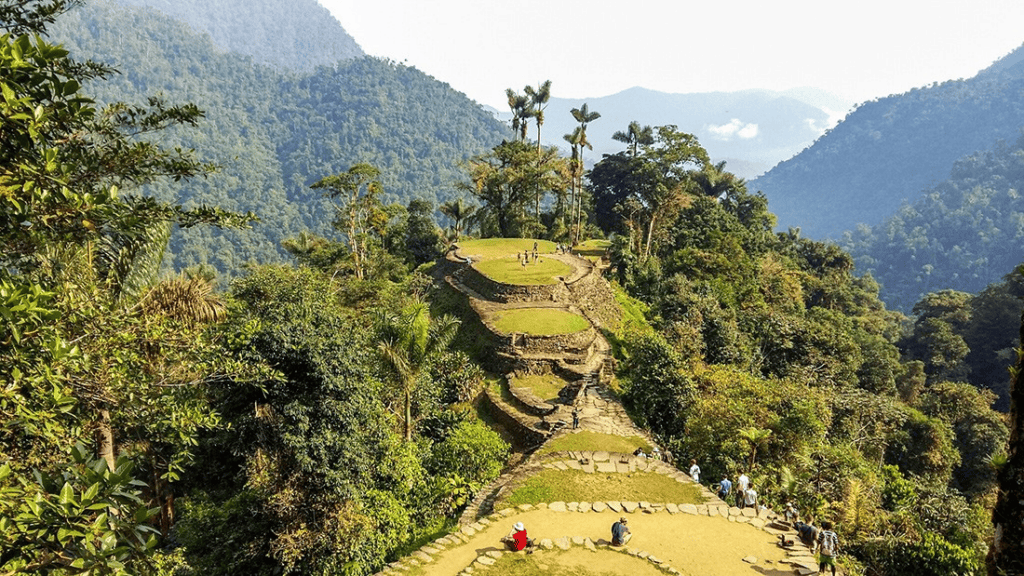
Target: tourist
{"type": "Point", "coordinates": [807, 532]}
{"type": "Point", "coordinates": [656, 453]}
{"type": "Point", "coordinates": [639, 452]}
{"type": "Point", "coordinates": [620, 532]}
{"type": "Point", "coordinates": [741, 488]}
{"type": "Point", "coordinates": [790, 513]}
{"type": "Point", "coordinates": [724, 487]}
{"type": "Point", "coordinates": [516, 539]}
{"type": "Point", "coordinates": [575, 417]}
{"type": "Point", "coordinates": [828, 547]}
{"type": "Point", "coordinates": [750, 496]}
{"type": "Point", "coordinates": [694, 471]}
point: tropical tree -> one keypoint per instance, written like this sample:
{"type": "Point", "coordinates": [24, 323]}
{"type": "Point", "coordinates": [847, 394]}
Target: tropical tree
{"type": "Point", "coordinates": [755, 438]}
{"type": "Point", "coordinates": [460, 212]}
{"type": "Point", "coordinates": [522, 111]}
{"type": "Point", "coordinates": [407, 342]}
{"type": "Point", "coordinates": [584, 116]}
{"type": "Point", "coordinates": [358, 190]}
{"type": "Point", "coordinates": [635, 136]}
{"type": "Point", "coordinates": [1006, 555]}
{"type": "Point", "coordinates": [714, 181]}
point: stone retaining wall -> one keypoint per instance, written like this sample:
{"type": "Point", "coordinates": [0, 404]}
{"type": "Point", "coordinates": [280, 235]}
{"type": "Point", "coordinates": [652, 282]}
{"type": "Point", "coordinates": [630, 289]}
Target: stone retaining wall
{"type": "Point", "coordinates": [512, 420]}
{"type": "Point", "coordinates": [509, 293]}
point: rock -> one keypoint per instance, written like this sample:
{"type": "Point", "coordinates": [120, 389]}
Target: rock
{"type": "Point", "coordinates": [430, 550]}
{"type": "Point", "coordinates": [723, 510]}
{"type": "Point", "coordinates": [578, 540]}
{"type": "Point", "coordinates": [557, 507]}
{"type": "Point", "coordinates": [702, 509]}
{"type": "Point", "coordinates": [672, 508]}
{"type": "Point", "coordinates": [757, 523]}
{"type": "Point", "coordinates": [485, 561]}
{"type": "Point", "coordinates": [525, 507]}
{"type": "Point", "coordinates": [615, 507]}
{"type": "Point", "coordinates": [599, 506]}
{"type": "Point", "coordinates": [735, 511]}
{"type": "Point", "coordinates": [563, 543]}
{"type": "Point", "coordinates": [574, 465]}
{"type": "Point", "coordinates": [712, 510]}
{"type": "Point", "coordinates": [494, 554]}
{"type": "Point", "coordinates": [688, 508]}
{"type": "Point", "coordinates": [644, 505]}
{"type": "Point", "coordinates": [468, 530]}
{"type": "Point", "coordinates": [654, 560]}
{"type": "Point", "coordinates": [642, 554]}
{"type": "Point", "coordinates": [547, 544]}
{"type": "Point", "coordinates": [607, 467]}
{"type": "Point", "coordinates": [630, 506]}
{"type": "Point", "coordinates": [584, 507]}
{"type": "Point", "coordinates": [476, 526]}
{"type": "Point", "coordinates": [749, 513]}
{"type": "Point", "coordinates": [573, 506]}
{"type": "Point", "coordinates": [750, 560]}
{"type": "Point", "coordinates": [589, 544]}
{"type": "Point", "coordinates": [601, 456]}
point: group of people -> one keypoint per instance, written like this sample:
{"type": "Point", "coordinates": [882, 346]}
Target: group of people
{"type": "Point", "coordinates": [745, 494]}
{"type": "Point", "coordinates": [517, 539]}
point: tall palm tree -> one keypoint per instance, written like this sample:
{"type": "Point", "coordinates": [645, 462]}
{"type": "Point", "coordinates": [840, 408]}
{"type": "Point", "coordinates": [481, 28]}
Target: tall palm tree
{"type": "Point", "coordinates": [459, 212]}
{"type": "Point", "coordinates": [538, 98]}
{"type": "Point", "coordinates": [584, 116]}
{"type": "Point", "coordinates": [522, 111]}
{"type": "Point", "coordinates": [407, 343]}
{"type": "Point", "coordinates": [635, 136]}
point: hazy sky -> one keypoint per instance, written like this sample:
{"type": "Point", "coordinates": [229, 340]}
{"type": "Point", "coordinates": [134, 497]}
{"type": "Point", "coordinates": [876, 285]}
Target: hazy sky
{"type": "Point", "coordinates": [858, 50]}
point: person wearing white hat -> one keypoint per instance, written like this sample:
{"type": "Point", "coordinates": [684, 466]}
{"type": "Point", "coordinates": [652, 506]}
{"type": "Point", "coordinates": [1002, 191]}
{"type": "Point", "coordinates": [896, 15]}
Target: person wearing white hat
{"type": "Point", "coordinates": [516, 539]}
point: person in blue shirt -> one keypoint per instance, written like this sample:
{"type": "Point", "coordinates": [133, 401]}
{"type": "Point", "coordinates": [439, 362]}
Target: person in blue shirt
{"type": "Point", "coordinates": [724, 487]}
{"type": "Point", "coordinates": [620, 533]}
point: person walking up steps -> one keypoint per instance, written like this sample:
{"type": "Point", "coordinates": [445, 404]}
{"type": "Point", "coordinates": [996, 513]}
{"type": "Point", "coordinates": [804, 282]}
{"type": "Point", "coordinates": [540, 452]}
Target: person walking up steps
{"type": "Point", "coordinates": [750, 496]}
{"type": "Point", "coordinates": [620, 533]}
{"type": "Point", "coordinates": [828, 547]}
{"type": "Point", "coordinates": [694, 471]}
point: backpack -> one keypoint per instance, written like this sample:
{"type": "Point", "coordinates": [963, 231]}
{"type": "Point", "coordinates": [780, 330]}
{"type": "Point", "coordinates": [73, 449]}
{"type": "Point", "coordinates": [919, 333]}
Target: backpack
{"type": "Point", "coordinates": [829, 542]}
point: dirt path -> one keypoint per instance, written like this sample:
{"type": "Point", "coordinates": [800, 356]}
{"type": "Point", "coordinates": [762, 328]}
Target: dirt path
{"type": "Point", "coordinates": [694, 545]}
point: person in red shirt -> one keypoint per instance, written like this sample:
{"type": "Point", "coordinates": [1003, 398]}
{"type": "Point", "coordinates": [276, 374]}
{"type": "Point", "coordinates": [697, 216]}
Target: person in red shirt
{"type": "Point", "coordinates": [516, 539]}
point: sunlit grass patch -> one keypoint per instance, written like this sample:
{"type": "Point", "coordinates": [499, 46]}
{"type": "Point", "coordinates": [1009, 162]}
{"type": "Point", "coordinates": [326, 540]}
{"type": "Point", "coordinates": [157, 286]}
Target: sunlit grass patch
{"type": "Point", "coordinates": [578, 486]}
{"type": "Point", "coordinates": [488, 248]}
{"type": "Point", "coordinates": [543, 386]}
{"type": "Point", "coordinates": [539, 321]}
{"type": "Point", "coordinates": [510, 270]}
{"type": "Point", "coordinates": [596, 441]}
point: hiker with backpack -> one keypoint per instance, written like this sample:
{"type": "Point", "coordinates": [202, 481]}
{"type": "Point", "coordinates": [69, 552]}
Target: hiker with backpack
{"type": "Point", "coordinates": [828, 547]}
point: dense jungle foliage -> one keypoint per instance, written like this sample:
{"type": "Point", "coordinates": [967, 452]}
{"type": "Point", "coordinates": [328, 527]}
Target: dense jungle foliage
{"type": "Point", "coordinates": [317, 417]}
{"type": "Point", "coordinates": [889, 150]}
{"type": "Point", "coordinates": [298, 35]}
{"type": "Point", "coordinates": [275, 132]}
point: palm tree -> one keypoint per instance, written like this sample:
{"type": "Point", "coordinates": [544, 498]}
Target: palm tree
{"type": "Point", "coordinates": [459, 212]}
{"type": "Point", "coordinates": [522, 111]}
{"type": "Point", "coordinates": [714, 181]}
{"type": "Point", "coordinates": [755, 437]}
{"type": "Point", "coordinates": [408, 342]}
{"type": "Point", "coordinates": [584, 116]}
{"type": "Point", "coordinates": [635, 136]}
{"type": "Point", "coordinates": [538, 98]}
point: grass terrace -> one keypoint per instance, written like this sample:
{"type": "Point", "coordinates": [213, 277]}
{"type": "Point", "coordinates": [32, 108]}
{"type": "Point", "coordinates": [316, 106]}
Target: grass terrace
{"type": "Point", "coordinates": [510, 270]}
{"type": "Point", "coordinates": [489, 248]}
{"type": "Point", "coordinates": [592, 249]}
{"type": "Point", "coordinates": [579, 486]}
{"type": "Point", "coordinates": [539, 321]}
{"type": "Point", "coordinates": [544, 386]}
{"type": "Point", "coordinates": [595, 441]}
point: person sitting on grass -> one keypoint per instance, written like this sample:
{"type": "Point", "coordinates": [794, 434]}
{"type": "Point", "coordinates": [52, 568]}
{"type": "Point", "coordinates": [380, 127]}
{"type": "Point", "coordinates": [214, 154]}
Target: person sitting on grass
{"type": "Point", "coordinates": [516, 539]}
{"type": "Point", "coordinates": [620, 532]}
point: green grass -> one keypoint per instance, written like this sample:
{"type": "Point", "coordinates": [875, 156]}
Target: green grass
{"type": "Point", "coordinates": [509, 270]}
{"type": "Point", "coordinates": [596, 441]}
{"type": "Point", "coordinates": [544, 386]}
{"type": "Point", "coordinates": [592, 249]}
{"type": "Point", "coordinates": [488, 248]}
{"type": "Point", "coordinates": [539, 321]}
{"type": "Point", "coordinates": [578, 486]}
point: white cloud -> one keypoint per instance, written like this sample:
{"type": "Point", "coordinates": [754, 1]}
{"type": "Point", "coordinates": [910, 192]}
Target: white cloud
{"type": "Point", "coordinates": [735, 128]}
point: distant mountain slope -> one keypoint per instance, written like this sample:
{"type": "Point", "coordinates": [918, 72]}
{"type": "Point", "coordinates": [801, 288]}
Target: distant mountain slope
{"type": "Point", "coordinates": [276, 132]}
{"type": "Point", "coordinates": [294, 34]}
{"type": "Point", "coordinates": [888, 150]}
{"type": "Point", "coordinates": [964, 234]}
{"type": "Point", "coordinates": [752, 130]}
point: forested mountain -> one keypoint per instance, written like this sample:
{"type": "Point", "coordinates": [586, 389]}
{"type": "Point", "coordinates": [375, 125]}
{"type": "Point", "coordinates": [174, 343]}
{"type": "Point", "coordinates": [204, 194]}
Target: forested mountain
{"type": "Point", "coordinates": [297, 35]}
{"type": "Point", "coordinates": [890, 149]}
{"type": "Point", "coordinates": [751, 130]}
{"type": "Point", "coordinates": [963, 234]}
{"type": "Point", "coordinates": [275, 132]}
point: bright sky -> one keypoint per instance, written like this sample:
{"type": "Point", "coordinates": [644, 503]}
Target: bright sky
{"type": "Point", "coordinates": [858, 50]}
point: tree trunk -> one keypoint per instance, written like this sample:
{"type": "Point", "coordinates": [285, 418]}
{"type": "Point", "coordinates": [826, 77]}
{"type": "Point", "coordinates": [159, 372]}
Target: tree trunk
{"type": "Point", "coordinates": [106, 439]}
{"type": "Point", "coordinates": [1006, 556]}
{"type": "Point", "coordinates": [408, 415]}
